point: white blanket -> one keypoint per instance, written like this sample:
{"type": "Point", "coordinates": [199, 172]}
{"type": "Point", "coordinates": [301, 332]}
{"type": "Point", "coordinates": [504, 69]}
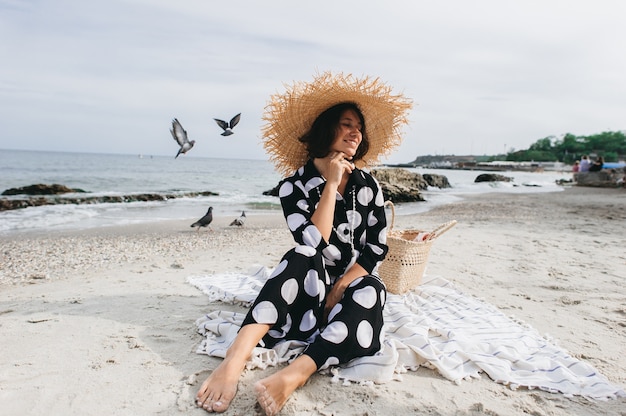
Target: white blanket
{"type": "Point", "coordinates": [436, 326]}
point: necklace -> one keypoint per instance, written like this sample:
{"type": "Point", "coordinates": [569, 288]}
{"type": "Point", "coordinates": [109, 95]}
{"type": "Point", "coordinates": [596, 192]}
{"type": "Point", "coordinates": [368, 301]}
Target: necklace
{"type": "Point", "coordinates": [351, 219]}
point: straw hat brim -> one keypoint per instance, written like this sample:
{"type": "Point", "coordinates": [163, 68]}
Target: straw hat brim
{"type": "Point", "coordinates": [291, 114]}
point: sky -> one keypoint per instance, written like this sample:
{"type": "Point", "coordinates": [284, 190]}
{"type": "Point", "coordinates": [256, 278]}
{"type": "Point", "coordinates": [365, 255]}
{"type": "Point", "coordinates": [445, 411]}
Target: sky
{"type": "Point", "coordinates": [486, 76]}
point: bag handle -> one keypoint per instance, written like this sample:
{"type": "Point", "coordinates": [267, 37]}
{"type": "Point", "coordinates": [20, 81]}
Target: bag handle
{"type": "Point", "coordinates": [439, 230]}
{"type": "Point", "coordinates": [393, 213]}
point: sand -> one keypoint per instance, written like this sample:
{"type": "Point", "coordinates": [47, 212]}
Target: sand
{"type": "Point", "coordinates": [102, 321]}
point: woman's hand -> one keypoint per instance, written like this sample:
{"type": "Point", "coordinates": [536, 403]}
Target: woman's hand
{"type": "Point", "coordinates": [336, 292]}
{"type": "Point", "coordinates": [332, 299]}
{"type": "Point", "coordinates": [337, 166]}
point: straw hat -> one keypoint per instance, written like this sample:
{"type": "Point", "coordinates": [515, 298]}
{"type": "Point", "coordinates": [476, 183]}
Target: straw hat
{"type": "Point", "coordinates": [291, 114]}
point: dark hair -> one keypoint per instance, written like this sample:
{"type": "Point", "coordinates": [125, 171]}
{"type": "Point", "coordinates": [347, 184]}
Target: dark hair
{"type": "Point", "coordinates": [322, 133]}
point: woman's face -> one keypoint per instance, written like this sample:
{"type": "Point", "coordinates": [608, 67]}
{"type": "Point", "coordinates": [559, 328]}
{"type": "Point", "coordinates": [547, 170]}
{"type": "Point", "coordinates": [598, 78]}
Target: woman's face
{"type": "Point", "coordinates": [348, 136]}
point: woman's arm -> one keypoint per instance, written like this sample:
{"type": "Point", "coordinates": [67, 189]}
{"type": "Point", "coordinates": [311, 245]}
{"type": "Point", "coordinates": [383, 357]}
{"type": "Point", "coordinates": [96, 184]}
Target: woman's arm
{"type": "Point", "coordinates": [375, 248]}
{"type": "Point", "coordinates": [336, 169]}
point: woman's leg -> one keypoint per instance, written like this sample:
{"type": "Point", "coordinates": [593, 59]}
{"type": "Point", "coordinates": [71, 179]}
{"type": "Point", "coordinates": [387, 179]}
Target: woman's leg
{"type": "Point", "coordinates": [354, 330]}
{"type": "Point", "coordinates": [289, 306]}
{"type": "Point", "coordinates": [273, 391]}
{"type": "Point", "coordinates": [219, 389]}
{"type": "Point", "coordinates": [292, 299]}
{"type": "Point", "coordinates": [354, 325]}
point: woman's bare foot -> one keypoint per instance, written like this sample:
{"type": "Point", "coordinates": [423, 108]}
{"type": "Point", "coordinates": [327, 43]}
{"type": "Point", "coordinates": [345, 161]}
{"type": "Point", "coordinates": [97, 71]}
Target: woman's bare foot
{"type": "Point", "coordinates": [274, 391]}
{"type": "Point", "coordinates": [220, 387]}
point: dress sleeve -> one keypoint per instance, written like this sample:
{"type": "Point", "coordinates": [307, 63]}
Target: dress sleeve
{"type": "Point", "coordinates": [375, 248]}
{"type": "Point", "coordinates": [298, 207]}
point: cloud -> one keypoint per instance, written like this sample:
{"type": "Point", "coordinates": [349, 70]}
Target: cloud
{"type": "Point", "coordinates": [108, 76]}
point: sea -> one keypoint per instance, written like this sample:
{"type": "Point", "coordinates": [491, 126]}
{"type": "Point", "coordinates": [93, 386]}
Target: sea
{"type": "Point", "coordinates": [238, 184]}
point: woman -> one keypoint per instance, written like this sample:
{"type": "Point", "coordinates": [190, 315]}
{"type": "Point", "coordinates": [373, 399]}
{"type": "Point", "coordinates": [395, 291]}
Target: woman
{"type": "Point", "coordinates": [597, 165]}
{"type": "Point", "coordinates": [325, 292]}
{"type": "Point", "coordinates": [585, 163]}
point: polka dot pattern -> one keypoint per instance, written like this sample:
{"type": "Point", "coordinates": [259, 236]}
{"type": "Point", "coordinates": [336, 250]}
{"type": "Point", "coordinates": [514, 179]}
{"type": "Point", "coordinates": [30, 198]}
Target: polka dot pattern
{"type": "Point", "coordinates": [303, 205]}
{"type": "Point", "coordinates": [308, 321]}
{"type": "Point", "coordinates": [366, 297]}
{"type": "Point", "coordinates": [332, 252]}
{"type": "Point", "coordinates": [305, 251]}
{"type": "Point", "coordinates": [313, 183]}
{"type": "Point", "coordinates": [294, 221]}
{"type": "Point", "coordinates": [265, 313]}
{"type": "Point", "coordinates": [293, 300]}
{"type": "Point", "coordinates": [331, 361]}
{"type": "Point", "coordinates": [336, 332]}
{"type": "Point", "coordinates": [311, 283]}
{"type": "Point", "coordinates": [279, 269]}
{"type": "Point", "coordinates": [364, 334]}
{"type": "Point", "coordinates": [285, 189]}
{"type": "Point", "coordinates": [311, 236]}
{"type": "Point", "coordinates": [371, 219]}
{"type": "Point", "coordinates": [354, 218]}
{"type": "Point", "coordinates": [334, 311]}
{"type": "Point", "coordinates": [365, 196]}
{"type": "Point", "coordinates": [289, 291]}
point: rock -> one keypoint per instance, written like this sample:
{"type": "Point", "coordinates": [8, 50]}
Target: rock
{"type": "Point", "coordinates": [437, 181]}
{"type": "Point", "coordinates": [492, 177]}
{"type": "Point", "coordinates": [42, 189]}
{"type": "Point", "coordinates": [400, 193]}
{"type": "Point", "coordinates": [398, 185]}
{"type": "Point", "coordinates": [273, 191]}
{"type": "Point", "coordinates": [401, 185]}
{"type": "Point", "coordinates": [17, 203]}
{"type": "Point", "coordinates": [401, 177]}
{"type": "Point", "coordinates": [606, 178]}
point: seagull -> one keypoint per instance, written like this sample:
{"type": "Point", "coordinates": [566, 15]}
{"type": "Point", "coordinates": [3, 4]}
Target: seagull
{"type": "Point", "coordinates": [204, 221]}
{"type": "Point", "coordinates": [241, 220]}
{"type": "Point", "coordinates": [227, 127]}
{"type": "Point", "coordinates": [180, 135]}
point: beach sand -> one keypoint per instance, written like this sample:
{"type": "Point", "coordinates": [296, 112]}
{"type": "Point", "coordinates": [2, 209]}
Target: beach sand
{"type": "Point", "coordinates": [99, 322]}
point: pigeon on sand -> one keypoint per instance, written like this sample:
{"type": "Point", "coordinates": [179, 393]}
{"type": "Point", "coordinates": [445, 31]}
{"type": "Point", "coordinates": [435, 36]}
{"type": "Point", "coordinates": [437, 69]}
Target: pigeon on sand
{"type": "Point", "coordinates": [204, 221]}
{"type": "Point", "coordinates": [227, 127]}
{"type": "Point", "coordinates": [180, 135]}
{"type": "Point", "coordinates": [239, 221]}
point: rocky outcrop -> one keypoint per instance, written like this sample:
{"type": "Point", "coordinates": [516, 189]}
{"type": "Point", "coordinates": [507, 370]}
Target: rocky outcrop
{"type": "Point", "coordinates": [399, 185]}
{"type": "Point", "coordinates": [42, 189]}
{"type": "Point", "coordinates": [437, 181]}
{"type": "Point", "coordinates": [400, 193]}
{"type": "Point", "coordinates": [402, 185]}
{"type": "Point", "coordinates": [606, 178]}
{"type": "Point", "coordinates": [492, 177]}
{"type": "Point", "coordinates": [35, 201]}
{"type": "Point", "coordinates": [273, 191]}
{"type": "Point", "coordinates": [411, 179]}
{"type": "Point", "coordinates": [400, 177]}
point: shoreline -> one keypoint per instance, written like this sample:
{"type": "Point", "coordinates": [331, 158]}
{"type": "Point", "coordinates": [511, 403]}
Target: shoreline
{"type": "Point", "coordinates": [83, 310]}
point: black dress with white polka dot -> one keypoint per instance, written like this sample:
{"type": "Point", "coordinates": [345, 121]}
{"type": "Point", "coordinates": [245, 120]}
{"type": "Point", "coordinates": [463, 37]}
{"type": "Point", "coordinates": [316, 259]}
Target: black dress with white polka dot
{"type": "Point", "coordinates": [292, 300]}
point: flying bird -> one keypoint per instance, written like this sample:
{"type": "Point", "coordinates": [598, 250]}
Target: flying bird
{"type": "Point", "coordinates": [239, 221]}
{"type": "Point", "coordinates": [180, 135]}
{"type": "Point", "coordinates": [204, 221]}
{"type": "Point", "coordinates": [228, 127]}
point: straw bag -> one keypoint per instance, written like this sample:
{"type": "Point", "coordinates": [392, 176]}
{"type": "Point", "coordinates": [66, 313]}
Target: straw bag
{"type": "Point", "coordinates": [405, 262]}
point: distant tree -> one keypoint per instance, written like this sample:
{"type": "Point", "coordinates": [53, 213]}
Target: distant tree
{"type": "Point", "coordinates": [570, 148]}
{"type": "Point", "coordinates": [610, 141]}
{"type": "Point", "coordinates": [540, 151]}
{"type": "Point", "coordinates": [531, 155]}
{"type": "Point", "coordinates": [611, 157]}
{"type": "Point", "coordinates": [610, 145]}
{"type": "Point", "coordinates": [542, 145]}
